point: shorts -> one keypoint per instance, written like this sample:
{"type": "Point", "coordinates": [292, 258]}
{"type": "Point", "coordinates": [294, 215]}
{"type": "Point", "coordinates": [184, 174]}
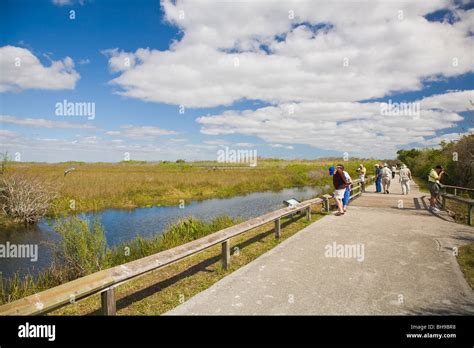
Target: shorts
{"type": "Point", "coordinates": [339, 194]}
{"type": "Point", "coordinates": [434, 189]}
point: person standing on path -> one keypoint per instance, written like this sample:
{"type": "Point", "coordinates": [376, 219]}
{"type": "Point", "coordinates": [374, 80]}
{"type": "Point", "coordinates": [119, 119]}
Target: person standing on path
{"type": "Point", "coordinates": [339, 181]}
{"type": "Point", "coordinates": [386, 178]}
{"type": "Point", "coordinates": [362, 171]}
{"type": "Point", "coordinates": [404, 178]}
{"type": "Point", "coordinates": [378, 178]}
{"type": "Point", "coordinates": [347, 193]}
{"type": "Point", "coordinates": [434, 186]}
{"type": "Point", "coordinates": [394, 168]}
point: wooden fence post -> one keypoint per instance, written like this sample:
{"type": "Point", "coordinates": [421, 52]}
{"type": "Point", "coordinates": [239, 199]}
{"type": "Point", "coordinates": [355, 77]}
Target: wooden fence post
{"type": "Point", "coordinates": [277, 229]}
{"type": "Point", "coordinates": [470, 213]}
{"type": "Point", "coordinates": [108, 302]}
{"type": "Point", "coordinates": [308, 213]}
{"type": "Point", "coordinates": [326, 204]}
{"type": "Point", "coordinates": [226, 254]}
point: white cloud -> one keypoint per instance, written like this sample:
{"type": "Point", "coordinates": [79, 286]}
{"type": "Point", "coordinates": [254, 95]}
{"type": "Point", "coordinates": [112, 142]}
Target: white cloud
{"type": "Point", "coordinates": [4, 133]}
{"type": "Point", "coordinates": [357, 128]}
{"type": "Point", "coordinates": [21, 70]}
{"type": "Point", "coordinates": [144, 132]}
{"type": "Point", "coordinates": [281, 146]}
{"type": "Point", "coordinates": [385, 53]}
{"type": "Point", "coordinates": [62, 2]}
{"type": "Point", "coordinates": [244, 145]}
{"type": "Point", "coordinates": [448, 137]}
{"type": "Point", "coordinates": [68, 2]}
{"type": "Point", "coordinates": [455, 101]}
{"type": "Point", "coordinates": [43, 123]}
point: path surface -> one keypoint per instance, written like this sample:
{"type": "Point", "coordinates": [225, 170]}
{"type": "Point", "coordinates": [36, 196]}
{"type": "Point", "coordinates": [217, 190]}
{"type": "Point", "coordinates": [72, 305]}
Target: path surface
{"type": "Point", "coordinates": [408, 266]}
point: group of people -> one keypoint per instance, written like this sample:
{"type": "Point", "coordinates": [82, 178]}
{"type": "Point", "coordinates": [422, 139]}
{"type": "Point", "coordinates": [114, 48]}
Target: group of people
{"type": "Point", "coordinates": [384, 176]}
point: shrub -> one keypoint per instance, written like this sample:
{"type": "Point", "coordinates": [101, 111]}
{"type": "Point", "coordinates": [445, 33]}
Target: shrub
{"type": "Point", "coordinates": [456, 157]}
{"type": "Point", "coordinates": [25, 199]}
{"type": "Point", "coordinates": [82, 249]}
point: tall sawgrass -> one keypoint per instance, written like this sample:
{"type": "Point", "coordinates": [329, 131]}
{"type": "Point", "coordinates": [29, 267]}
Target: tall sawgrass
{"type": "Point", "coordinates": [95, 186]}
{"type": "Point", "coordinates": [83, 250]}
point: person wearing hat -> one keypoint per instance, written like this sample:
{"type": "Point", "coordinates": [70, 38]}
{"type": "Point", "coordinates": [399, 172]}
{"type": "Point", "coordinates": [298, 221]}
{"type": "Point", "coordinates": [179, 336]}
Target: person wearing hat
{"type": "Point", "coordinates": [386, 178]}
{"type": "Point", "coordinates": [331, 170]}
{"type": "Point", "coordinates": [362, 171]}
{"type": "Point", "coordinates": [404, 179]}
{"type": "Point", "coordinates": [434, 185]}
{"type": "Point", "coordinates": [340, 183]}
{"type": "Point", "coordinates": [378, 178]}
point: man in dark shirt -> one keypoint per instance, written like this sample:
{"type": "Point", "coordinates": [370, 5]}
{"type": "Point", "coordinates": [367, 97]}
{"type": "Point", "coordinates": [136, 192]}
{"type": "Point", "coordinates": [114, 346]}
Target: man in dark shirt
{"type": "Point", "coordinates": [339, 181]}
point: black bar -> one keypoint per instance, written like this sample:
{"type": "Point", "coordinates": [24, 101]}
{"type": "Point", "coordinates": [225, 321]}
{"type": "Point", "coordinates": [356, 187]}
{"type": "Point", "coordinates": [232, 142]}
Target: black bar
{"type": "Point", "coordinates": [261, 330]}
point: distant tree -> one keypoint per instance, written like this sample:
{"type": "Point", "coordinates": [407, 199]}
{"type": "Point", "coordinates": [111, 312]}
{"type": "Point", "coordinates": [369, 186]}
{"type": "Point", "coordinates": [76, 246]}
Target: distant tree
{"type": "Point", "coordinates": [457, 157]}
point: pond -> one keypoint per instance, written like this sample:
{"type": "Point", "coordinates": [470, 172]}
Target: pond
{"type": "Point", "coordinates": [123, 225]}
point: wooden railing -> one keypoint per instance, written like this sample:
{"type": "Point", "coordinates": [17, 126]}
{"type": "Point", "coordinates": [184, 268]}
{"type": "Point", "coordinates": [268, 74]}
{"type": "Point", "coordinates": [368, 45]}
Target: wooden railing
{"type": "Point", "coordinates": [105, 281]}
{"type": "Point", "coordinates": [455, 196]}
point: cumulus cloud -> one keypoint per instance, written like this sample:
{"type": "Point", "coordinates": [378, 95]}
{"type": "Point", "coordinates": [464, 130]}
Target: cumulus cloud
{"type": "Point", "coordinates": [295, 51]}
{"type": "Point", "coordinates": [353, 127]}
{"type": "Point", "coordinates": [21, 70]}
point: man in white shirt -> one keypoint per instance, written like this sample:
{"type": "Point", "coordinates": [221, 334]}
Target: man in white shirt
{"type": "Point", "coordinates": [405, 177]}
{"type": "Point", "coordinates": [386, 178]}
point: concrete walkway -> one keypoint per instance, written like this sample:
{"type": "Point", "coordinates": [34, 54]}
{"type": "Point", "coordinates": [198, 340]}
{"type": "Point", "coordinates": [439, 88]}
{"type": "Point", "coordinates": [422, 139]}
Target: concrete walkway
{"type": "Point", "coordinates": [407, 266]}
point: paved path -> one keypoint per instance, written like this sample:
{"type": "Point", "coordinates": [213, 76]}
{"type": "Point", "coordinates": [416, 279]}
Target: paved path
{"type": "Point", "coordinates": [408, 266]}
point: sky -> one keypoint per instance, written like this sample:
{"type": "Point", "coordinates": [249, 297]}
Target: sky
{"type": "Point", "coordinates": [110, 80]}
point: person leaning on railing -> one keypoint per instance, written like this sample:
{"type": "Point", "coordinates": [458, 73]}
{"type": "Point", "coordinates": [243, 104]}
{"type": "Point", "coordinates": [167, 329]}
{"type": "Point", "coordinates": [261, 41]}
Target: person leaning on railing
{"type": "Point", "coordinates": [434, 178]}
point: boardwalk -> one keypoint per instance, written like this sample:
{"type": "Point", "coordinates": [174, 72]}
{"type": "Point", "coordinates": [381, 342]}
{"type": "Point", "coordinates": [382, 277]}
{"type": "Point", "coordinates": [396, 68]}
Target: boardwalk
{"type": "Point", "coordinates": [408, 266]}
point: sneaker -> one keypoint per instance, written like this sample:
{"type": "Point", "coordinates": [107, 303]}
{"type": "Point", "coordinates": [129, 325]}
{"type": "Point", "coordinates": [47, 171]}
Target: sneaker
{"type": "Point", "coordinates": [434, 209]}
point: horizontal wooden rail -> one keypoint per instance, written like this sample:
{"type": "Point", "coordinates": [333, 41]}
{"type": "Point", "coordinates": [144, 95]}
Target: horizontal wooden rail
{"type": "Point", "coordinates": [457, 187]}
{"type": "Point", "coordinates": [106, 280]}
{"type": "Point", "coordinates": [463, 200]}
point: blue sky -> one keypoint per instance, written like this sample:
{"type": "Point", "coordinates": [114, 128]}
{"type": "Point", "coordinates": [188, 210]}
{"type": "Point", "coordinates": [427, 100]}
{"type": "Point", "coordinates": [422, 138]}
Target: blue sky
{"type": "Point", "coordinates": [235, 75]}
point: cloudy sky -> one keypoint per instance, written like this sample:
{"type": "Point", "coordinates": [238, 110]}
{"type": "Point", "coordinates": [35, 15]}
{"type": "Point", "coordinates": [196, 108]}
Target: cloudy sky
{"type": "Point", "coordinates": [183, 79]}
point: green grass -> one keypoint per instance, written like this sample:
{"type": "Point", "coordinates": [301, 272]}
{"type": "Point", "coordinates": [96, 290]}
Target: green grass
{"type": "Point", "coordinates": [160, 291]}
{"type": "Point", "coordinates": [82, 250]}
{"type": "Point", "coordinates": [466, 262]}
{"type": "Point", "coordinates": [97, 186]}
{"type": "Point", "coordinates": [173, 283]}
{"type": "Point", "coordinates": [422, 184]}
